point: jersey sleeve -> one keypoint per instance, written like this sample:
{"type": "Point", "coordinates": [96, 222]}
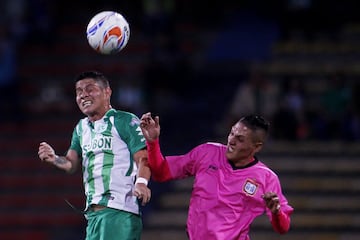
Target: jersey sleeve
{"type": "Point", "coordinates": [172, 167]}
{"type": "Point", "coordinates": [75, 140]}
{"type": "Point", "coordinates": [281, 221]}
{"type": "Point", "coordinates": [186, 165]}
{"type": "Point", "coordinates": [273, 185]}
{"type": "Point", "coordinates": [128, 127]}
{"type": "Point", "coordinates": [159, 167]}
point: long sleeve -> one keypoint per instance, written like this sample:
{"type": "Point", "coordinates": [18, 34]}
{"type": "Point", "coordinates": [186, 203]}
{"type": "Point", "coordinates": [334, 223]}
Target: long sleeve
{"type": "Point", "coordinates": [159, 167]}
{"type": "Point", "coordinates": [280, 222]}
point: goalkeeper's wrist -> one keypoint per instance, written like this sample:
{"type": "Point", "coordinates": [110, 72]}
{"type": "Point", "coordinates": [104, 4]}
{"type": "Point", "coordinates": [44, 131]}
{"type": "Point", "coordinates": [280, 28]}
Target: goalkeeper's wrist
{"type": "Point", "coordinates": [141, 180]}
{"type": "Point", "coordinates": [153, 143]}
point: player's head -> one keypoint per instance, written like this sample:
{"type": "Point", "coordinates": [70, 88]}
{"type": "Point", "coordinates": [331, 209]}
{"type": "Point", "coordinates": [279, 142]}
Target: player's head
{"type": "Point", "coordinates": [258, 125]}
{"type": "Point", "coordinates": [93, 94]}
{"type": "Point", "coordinates": [246, 138]}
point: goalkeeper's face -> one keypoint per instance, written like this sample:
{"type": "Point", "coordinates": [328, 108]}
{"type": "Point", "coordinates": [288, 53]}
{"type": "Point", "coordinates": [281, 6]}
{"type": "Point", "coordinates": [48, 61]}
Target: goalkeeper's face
{"type": "Point", "coordinates": [241, 146]}
{"type": "Point", "coordinates": [92, 98]}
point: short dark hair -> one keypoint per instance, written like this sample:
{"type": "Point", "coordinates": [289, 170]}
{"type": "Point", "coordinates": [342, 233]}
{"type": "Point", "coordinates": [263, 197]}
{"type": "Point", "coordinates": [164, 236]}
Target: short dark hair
{"type": "Point", "coordinates": [256, 122]}
{"type": "Point", "coordinates": [97, 76]}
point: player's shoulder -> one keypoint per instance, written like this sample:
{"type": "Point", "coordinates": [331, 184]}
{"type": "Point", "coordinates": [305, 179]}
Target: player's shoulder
{"type": "Point", "coordinates": [265, 168]}
{"type": "Point", "coordinates": [214, 146]}
{"type": "Point", "coordinates": [120, 114]}
{"type": "Point", "coordinates": [124, 117]}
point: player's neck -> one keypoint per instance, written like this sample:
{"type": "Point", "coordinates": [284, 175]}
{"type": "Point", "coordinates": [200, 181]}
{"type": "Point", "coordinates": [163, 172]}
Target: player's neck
{"type": "Point", "coordinates": [244, 163]}
{"type": "Point", "coordinates": [99, 115]}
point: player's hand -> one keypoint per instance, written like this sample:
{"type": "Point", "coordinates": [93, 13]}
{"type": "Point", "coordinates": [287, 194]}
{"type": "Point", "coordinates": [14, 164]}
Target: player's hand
{"type": "Point", "coordinates": [150, 127]}
{"type": "Point", "coordinates": [46, 153]}
{"type": "Point", "coordinates": [143, 193]}
{"type": "Point", "coordinates": [272, 202]}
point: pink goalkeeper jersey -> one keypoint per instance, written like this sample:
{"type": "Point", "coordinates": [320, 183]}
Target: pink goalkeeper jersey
{"type": "Point", "coordinates": [224, 202]}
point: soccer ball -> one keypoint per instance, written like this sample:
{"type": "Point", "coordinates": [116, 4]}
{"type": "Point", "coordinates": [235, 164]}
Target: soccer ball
{"type": "Point", "coordinates": [108, 32]}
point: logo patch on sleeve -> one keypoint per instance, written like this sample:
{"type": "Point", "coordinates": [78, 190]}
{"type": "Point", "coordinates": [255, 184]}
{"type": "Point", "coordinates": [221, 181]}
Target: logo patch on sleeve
{"type": "Point", "coordinates": [250, 187]}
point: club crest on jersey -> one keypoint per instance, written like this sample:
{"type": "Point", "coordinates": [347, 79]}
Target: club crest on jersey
{"type": "Point", "coordinates": [250, 187]}
{"type": "Point", "coordinates": [134, 122]}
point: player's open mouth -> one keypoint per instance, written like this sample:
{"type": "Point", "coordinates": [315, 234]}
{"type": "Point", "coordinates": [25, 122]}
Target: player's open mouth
{"type": "Point", "coordinates": [86, 103]}
{"type": "Point", "coordinates": [230, 149]}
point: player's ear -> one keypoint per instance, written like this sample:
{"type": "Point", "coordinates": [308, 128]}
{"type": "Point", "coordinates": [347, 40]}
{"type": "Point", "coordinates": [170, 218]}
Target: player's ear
{"type": "Point", "coordinates": [108, 91]}
{"type": "Point", "coordinates": [258, 146]}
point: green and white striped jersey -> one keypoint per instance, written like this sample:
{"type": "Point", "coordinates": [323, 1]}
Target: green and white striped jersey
{"type": "Point", "coordinates": [107, 147]}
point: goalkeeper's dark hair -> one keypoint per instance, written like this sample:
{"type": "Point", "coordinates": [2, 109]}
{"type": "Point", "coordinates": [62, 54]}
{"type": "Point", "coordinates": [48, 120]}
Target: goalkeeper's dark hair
{"type": "Point", "coordinates": [97, 76]}
{"type": "Point", "coordinates": [257, 124]}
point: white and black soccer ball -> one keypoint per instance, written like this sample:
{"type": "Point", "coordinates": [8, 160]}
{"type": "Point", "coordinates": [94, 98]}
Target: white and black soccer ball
{"type": "Point", "coordinates": [108, 32]}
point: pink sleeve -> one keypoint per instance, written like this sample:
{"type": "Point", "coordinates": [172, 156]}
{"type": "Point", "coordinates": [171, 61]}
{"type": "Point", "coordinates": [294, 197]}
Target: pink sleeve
{"type": "Point", "coordinates": [159, 167]}
{"type": "Point", "coordinates": [281, 222]}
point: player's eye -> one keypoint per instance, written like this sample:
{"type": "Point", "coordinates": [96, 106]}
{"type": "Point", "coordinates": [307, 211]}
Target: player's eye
{"type": "Point", "coordinates": [78, 92]}
{"type": "Point", "coordinates": [91, 87]}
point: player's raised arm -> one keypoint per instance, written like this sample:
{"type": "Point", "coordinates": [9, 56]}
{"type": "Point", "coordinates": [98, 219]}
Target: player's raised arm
{"type": "Point", "coordinates": [67, 163]}
{"type": "Point", "coordinates": [150, 127]}
{"type": "Point", "coordinates": [159, 166]}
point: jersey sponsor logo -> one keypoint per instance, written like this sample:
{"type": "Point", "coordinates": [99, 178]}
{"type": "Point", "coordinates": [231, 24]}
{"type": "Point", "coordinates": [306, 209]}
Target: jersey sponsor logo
{"type": "Point", "coordinates": [250, 187]}
{"type": "Point", "coordinates": [102, 143]}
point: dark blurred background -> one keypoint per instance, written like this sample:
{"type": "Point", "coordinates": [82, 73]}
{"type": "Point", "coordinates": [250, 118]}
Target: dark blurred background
{"type": "Point", "coordinates": [199, 65]}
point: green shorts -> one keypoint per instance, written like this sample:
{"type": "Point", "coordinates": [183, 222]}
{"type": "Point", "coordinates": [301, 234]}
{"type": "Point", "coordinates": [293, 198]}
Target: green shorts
{"type": "Point", "coordinates": [111, 224]}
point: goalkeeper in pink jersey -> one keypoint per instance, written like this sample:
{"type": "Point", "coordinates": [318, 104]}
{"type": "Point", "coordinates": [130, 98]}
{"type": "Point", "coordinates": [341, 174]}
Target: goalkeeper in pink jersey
{"type": "Point", "coordinates": [231, 186]}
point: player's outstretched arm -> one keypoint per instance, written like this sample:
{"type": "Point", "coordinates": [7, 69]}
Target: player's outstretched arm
{"type": "Point", "coordinates": [159, 166]}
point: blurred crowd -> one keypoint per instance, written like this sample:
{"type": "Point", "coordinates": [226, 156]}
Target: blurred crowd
{"type": "Point", "coordinates": [326, 108]}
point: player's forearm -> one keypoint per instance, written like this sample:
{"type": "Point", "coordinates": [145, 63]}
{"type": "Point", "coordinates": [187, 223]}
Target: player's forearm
{"type": "Point", "coordinates": [63, 163]}
{"type": "Point", "coordinates": [158, 165]}
{"type": "Point", "coordinates": [280, 222]}
{"type": "Point", "coordinates": [144, 169]}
